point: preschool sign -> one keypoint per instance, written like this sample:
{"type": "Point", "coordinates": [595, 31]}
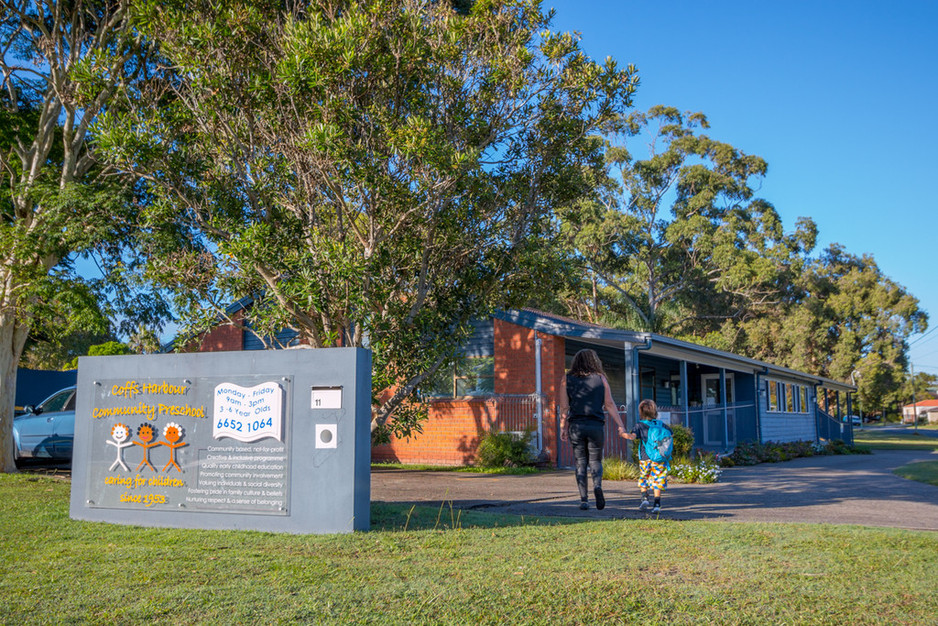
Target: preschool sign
{"type": "Point", "coordinates": [215, 440]}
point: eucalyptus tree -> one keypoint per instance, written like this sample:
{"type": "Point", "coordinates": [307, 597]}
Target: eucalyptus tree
{"type": "Point", "coordinates": [54, 200]}
{"type": "Point", "coordinates": [675, 241]}
{"type": "Point", "coordinates": [847, 321]}
{"type": "Point", "coordinates": [373, 173]}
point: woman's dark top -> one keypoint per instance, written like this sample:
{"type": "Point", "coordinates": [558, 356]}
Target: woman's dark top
{"type": "Point", "coordinates": [586, 396]}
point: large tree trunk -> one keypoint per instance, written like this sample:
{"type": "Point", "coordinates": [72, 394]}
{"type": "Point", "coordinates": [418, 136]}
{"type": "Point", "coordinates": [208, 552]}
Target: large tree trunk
{"type": "Point", "coordinates": [12, 340]}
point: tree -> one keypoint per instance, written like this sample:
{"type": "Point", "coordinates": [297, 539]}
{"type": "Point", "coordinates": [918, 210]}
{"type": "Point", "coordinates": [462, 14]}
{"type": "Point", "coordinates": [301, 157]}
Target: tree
{"type": "Point", "coordinates": [55, 201]}
{"type": "Point", "coordinates": [675, 242]}
{"type": "Point", "coordinates": [846, 320]}
{"type": "Point", "coordinates": [374, 173]}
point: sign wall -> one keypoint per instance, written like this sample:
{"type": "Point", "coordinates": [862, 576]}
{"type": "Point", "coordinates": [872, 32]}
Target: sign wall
{"type": "Point", "coordinates": [273, 440]}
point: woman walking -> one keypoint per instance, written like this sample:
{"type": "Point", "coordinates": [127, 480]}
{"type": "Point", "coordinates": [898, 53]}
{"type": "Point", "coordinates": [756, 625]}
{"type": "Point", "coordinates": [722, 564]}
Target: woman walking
{"type": "Point", "coordinates": [584, 393]}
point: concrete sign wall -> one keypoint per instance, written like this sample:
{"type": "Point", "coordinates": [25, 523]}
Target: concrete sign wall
{"type": "Point", "coordinates": [273, 440]}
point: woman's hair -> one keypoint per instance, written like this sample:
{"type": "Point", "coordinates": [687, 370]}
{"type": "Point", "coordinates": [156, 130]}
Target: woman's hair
{"type": "Point", "coordinates": [586, 362]}
{"type": "Point", "coordinates": [647, 409]}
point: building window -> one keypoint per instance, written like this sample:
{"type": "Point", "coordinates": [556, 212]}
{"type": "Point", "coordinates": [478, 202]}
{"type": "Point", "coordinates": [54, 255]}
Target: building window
{"type": "Point", "coordinates": [804, 399]}
{"type": "Point", "coordinates": [790, 398]}
{"type": "Point", "coordinates": [710, 383]}
{"type": "Point", "coordinates": [773, 395]}
{"type": "Point", "coordinates": [469, 377]}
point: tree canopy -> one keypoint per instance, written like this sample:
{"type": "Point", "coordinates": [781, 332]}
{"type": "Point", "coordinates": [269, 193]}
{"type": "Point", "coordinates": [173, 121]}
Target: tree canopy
{"type": "Point", "coordinates": [845, 320]}
{"type": "Point", "coordinates": [673, 240]}
{"type": "Point", "coordinates": [62, 64]}
{"type": "Point", "coordinates": [374, 173]}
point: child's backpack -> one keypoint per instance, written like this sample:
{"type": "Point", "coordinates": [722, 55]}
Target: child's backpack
{"type": "Point", "coordinates": [659, 444]}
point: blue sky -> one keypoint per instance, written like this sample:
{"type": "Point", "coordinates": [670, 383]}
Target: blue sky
{"type": "Point", "coordinates": [840, 98]}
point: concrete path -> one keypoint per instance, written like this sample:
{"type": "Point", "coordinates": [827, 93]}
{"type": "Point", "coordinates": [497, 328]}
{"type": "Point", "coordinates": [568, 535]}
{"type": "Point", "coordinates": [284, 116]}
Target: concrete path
{"type": "Point", "coordinates": [848, 489]}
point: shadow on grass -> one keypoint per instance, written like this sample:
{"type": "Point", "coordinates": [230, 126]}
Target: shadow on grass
{"type": "Point", "coordinates": [388, 517]}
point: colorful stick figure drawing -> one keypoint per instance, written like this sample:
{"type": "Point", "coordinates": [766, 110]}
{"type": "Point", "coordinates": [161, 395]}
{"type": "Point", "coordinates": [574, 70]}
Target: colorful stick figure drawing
{"type": "Point", "coordinates": [146, 434]}
{"type": "Point", "coordinates": [120, 433]}
{"type": "Point", "coordinates": [173, 433]}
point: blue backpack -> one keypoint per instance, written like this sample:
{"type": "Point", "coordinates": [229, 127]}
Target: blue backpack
{"type": "Point", "coordinates": [659, 444]}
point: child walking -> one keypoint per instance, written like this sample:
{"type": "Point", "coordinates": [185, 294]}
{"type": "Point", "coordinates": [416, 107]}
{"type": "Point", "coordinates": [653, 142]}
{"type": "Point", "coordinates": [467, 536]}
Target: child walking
{"type": "Point", "coordinates": [655, 436]}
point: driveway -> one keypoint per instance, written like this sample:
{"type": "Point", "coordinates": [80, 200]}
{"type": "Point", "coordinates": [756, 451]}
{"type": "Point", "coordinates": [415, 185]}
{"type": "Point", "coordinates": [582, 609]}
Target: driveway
{"type": "Point", "coordinates": [847, 489]}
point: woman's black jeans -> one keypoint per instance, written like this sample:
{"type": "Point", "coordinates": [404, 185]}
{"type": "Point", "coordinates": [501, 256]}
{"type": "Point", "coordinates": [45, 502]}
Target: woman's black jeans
{"type": "Point", "coordinates": [587, 437]}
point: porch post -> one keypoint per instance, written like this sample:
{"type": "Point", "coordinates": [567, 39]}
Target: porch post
{"type": "Point", "coordinates": [631, 377]}
{"type": "Point", "coordinates": [684, 391]}
{"type": "Point", "coordinates": [840, 416]}
{"type": "Point", "coordinates": [631, 382]}
{"type": "Point", "coordinates": [726, 424]}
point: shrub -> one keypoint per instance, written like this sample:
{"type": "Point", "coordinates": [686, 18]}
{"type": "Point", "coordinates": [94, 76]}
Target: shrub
{"type": "Point", "coordinates": [683, 440]}
{"type": "Point", "coordinates": [752, 453]}
{"type": "Point", "coordinates": [504, 450]}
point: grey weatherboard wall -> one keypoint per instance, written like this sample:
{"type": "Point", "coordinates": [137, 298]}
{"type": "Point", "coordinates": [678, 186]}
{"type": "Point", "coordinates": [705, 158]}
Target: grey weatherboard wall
{"type": "Point", "coordinates": [274, 440]}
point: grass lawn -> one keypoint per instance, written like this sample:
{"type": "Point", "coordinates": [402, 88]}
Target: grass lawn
{"type": "Point", "coordinates": [908, 440]}
{"type": "Point", "coordinates": [437, 566]}
{"type": "Point", "coordinates": [924, 472]}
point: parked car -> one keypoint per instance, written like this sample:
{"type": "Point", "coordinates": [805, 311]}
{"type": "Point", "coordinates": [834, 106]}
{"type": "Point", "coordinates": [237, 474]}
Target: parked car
{"type": "Point", "coordinates": [48, 430]}
{"type": "Point", "coordinates": [855, 420]}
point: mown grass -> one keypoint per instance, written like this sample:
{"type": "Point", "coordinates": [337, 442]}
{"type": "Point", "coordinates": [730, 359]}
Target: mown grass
{"type": "Point", "coordinates": [908, 440]}
{"type": "Point", "coordinates": [434, 566]}
{"type": "Point", "coordinates": [923, 472]}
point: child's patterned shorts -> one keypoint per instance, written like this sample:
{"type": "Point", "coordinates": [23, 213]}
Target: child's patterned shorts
{"type": "Point", "coordinates": [652, 475]}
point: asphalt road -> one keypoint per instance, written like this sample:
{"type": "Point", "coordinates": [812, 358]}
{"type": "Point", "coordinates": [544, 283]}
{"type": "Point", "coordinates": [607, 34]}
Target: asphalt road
{"type": "Point", "coordinates": [847, 489]}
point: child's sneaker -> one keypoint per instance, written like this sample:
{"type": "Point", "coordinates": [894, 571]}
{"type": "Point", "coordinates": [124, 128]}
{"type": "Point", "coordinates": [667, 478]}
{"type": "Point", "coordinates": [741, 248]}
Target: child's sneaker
{"type": "Point", "coordinates": [600, 499]}
{"type": "Point", "coordinates": [656, 508]}
{"type": "Point", "coordinates": [644, 506]}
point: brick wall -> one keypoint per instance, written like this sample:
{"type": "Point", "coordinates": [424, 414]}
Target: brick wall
{"type": "Point", "coordinates": [221, 338]}
{"type": "Point", "coordinates": [451, 433]}
{"type": "Point", "coordinates": [515, 348]}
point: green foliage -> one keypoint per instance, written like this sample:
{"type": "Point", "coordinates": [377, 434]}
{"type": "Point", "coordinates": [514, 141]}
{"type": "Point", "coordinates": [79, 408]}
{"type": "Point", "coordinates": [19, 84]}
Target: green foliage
{"type": "Point", "coordinates": [843, 319]}
{"type": "Point", "coordinates": [683, 440]}
{"type": "Point", "coordinates": [375, 176]}
{"type": "Point", "coordinates": [57, 202]}
{"type": "Point", "coordinates": [702, 469]}
{"type": "Point", "coordinates": [675, 242]}
{"type": "Point", "coordinates": [617, 468]}
{"type": "Point", "coordinates": [752, 453]}
{"type": "Point", "coordinates": [504, 450]}
{"type": "Point", "coordinates": [107, 348]}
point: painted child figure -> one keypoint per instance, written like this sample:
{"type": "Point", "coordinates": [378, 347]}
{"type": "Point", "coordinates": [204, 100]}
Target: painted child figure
{"type": "Point", "coordinates": [120, 433]}
{"type": "Point", "coordinates": [653, 473]}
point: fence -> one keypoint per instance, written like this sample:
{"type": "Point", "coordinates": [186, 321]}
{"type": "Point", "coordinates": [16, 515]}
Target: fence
{"type": "Point", "coordinates": [707, 424]}
{"type": "Point", "coordinates": [512, 413]}
{"type": "Point", "coordinates": [829, 428]}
